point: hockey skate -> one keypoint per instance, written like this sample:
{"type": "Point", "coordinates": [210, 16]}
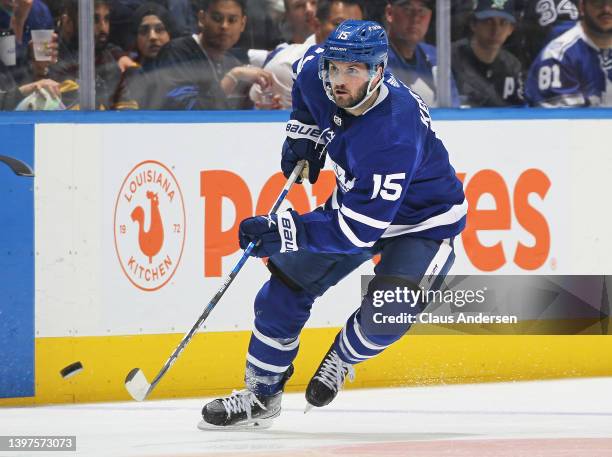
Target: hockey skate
{"type": "Point", "coordinates": [328, 380]}
{"type": "Point", "coordinates": [243, 409]}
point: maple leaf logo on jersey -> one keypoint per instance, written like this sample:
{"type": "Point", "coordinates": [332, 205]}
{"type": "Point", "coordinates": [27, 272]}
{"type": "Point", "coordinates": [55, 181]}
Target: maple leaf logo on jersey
{"type": "Point", "coordinates": [391, 80]}
{"type": "Point", "coordinates": [605, 58]}
{"type": "Point", "coordinates": [343, 182]}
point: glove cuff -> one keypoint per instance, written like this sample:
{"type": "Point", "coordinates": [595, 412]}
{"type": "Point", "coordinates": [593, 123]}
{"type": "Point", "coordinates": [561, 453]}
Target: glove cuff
{"type": "Point", "coordinates": [287, 231]}
{"type": "Point", "coordinates": [297, 130]}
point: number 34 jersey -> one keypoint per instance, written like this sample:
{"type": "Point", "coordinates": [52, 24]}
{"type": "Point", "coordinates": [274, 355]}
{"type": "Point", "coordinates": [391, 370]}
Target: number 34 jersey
{"type": "Point", "coordinates": [393, 174]}
{"type": "Point", "coordinates": [571, 71]}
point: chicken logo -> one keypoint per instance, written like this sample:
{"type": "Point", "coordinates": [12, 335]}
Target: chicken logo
{"type": "Point", "coordinates": [150, 241]}
{"type": "Point", "coordinates": [149, 225]}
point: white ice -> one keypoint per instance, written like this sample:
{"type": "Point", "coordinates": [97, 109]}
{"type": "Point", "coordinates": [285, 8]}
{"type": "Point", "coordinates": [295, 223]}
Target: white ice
{"type": "Point", "coordinates": [358, 422]}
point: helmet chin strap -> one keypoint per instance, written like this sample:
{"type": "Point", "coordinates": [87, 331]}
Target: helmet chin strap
{"type": "Point", "coordinates": [369, 92]}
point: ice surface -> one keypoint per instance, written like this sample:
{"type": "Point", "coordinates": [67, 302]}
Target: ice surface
{"type": "Point", "coordinates": [545, 418]}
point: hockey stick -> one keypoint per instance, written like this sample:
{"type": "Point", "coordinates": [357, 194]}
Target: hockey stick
{"type": "Point", "coordinates": [17, 166]}
{"type": "Point", "coordinates": [135, 382]}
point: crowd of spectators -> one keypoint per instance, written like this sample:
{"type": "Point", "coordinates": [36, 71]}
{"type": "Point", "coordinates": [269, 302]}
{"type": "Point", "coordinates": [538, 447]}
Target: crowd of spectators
{"type": "Point", "coordinates": [238, 54]}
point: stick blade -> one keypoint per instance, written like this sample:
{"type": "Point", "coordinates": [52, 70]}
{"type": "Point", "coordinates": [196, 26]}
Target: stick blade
{"type": "Point", "coordinates": [137, 385]}
{"type": "Point", "coordinates": [19, 168]}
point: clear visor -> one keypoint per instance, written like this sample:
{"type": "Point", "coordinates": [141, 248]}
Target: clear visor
{"type": "Point", "coordinates": [333, 74]}
{"type": "Point", "coordinates": [345, 72]}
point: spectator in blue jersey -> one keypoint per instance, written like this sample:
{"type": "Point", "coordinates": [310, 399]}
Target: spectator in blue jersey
{"type": "Point", "coordinates": [396, 195]}
{"type": "Point", "coordinates": [487, 74]}
{"type": "Point", "coordinates": [542, 21]}
{"type": "Point", "coordinates": [412, 60]}
{"type": "Point", "coordinates": [575, 69]}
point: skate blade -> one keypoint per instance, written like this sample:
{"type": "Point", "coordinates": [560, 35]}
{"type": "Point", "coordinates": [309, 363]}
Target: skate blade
{"type": "Point", "coordinates": [246, 426]}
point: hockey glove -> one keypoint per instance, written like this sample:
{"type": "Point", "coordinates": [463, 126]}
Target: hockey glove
{"type": "Point", "coordinates": [304, 142]}
{"type": "Point", "coordinates": [274, 233]}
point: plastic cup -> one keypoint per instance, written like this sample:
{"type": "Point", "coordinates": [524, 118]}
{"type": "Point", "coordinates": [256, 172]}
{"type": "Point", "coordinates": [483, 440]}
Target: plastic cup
{"type": "Point", "coordinates": [8, 53]}
{"type": "Point", "coordinates": [41, 39]}
{"type": "Point", "coordinates": [267, 100]}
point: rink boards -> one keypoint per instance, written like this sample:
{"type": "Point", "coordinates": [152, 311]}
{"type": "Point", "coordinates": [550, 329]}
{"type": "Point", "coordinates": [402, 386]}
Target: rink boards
{"type": "Point", "coordinates": [135, 219]}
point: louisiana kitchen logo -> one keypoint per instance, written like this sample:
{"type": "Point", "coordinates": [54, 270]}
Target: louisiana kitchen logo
{"type": "Point", "coordinates": [149, 225]}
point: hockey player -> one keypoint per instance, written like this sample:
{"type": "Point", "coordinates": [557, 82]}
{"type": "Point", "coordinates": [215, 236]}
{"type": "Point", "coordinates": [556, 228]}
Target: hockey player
{"type": "Point", "coordinates": [575, 69]}
{"type": "Point", "coordinates": [396, 195]}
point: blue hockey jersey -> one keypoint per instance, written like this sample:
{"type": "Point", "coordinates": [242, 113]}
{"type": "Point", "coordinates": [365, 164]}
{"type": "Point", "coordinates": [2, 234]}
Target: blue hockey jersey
{"type": "Point", "coordinates": [393, 175]}
{"type": "Point", "coordinates": [419, 74]}
{"type": "Point", "coordinates": [571, 71]}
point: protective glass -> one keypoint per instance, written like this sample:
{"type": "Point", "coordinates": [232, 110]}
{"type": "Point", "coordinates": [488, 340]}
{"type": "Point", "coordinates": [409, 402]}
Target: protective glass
{"type": "Point", "coordinates": [145, 29]}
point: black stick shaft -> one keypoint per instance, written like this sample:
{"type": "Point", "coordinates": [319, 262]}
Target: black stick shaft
{"type": "Point", "coordinates": [228, 281]}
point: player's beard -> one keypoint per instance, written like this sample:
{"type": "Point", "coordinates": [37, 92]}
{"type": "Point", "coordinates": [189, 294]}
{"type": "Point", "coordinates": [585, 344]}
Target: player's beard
{"type": "Point", "coordinates": [596, 28]}
{"type": "Point", "coordinates": [351, 101]}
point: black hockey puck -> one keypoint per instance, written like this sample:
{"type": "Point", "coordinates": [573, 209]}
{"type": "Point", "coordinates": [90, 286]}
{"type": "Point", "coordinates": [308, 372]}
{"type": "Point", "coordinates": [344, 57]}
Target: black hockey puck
{"type": "Point", "coordinates": [71, 370]}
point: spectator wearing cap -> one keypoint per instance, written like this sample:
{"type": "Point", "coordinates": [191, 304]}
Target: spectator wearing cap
{"type": "Point", "coordinates": [412, 60]}
{"type": "Point", "coordinates": [330, 14]}
{"type": "Point", "coordinates": [575, 69]}
{"type": "Point", "coordinates": [153, 27]}
{"type": "Point", "coordinates": [200, 72]}
{"type": "Point", "coordinates": [487, 74]}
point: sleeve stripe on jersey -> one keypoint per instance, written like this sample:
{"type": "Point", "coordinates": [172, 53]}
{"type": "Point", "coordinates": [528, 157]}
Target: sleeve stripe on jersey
{"type": "Point", "coordinates": [561, 45]}
{"type": "Point", "coordinates": [335, 199]}
{"type": "Point", "coordinates": [563, 100]}
{"type": "Point", "coordinates": [350, 235]}
{"type": "Point", "coordinates": [364, 219]}
{"type": "Point", "coordinates": [454, 214]}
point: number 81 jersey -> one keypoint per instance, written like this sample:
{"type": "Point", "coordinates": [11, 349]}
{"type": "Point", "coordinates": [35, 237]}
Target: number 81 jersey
{"type": "Point", "coordinates": [571, 71]}
{"type": "Point", "coordinates": [393, 174]}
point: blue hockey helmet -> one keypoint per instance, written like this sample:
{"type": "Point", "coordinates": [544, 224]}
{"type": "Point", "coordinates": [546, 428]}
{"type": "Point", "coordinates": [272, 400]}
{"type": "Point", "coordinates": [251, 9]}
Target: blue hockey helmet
{"type": "Point", "coordinates": [355, 41]}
